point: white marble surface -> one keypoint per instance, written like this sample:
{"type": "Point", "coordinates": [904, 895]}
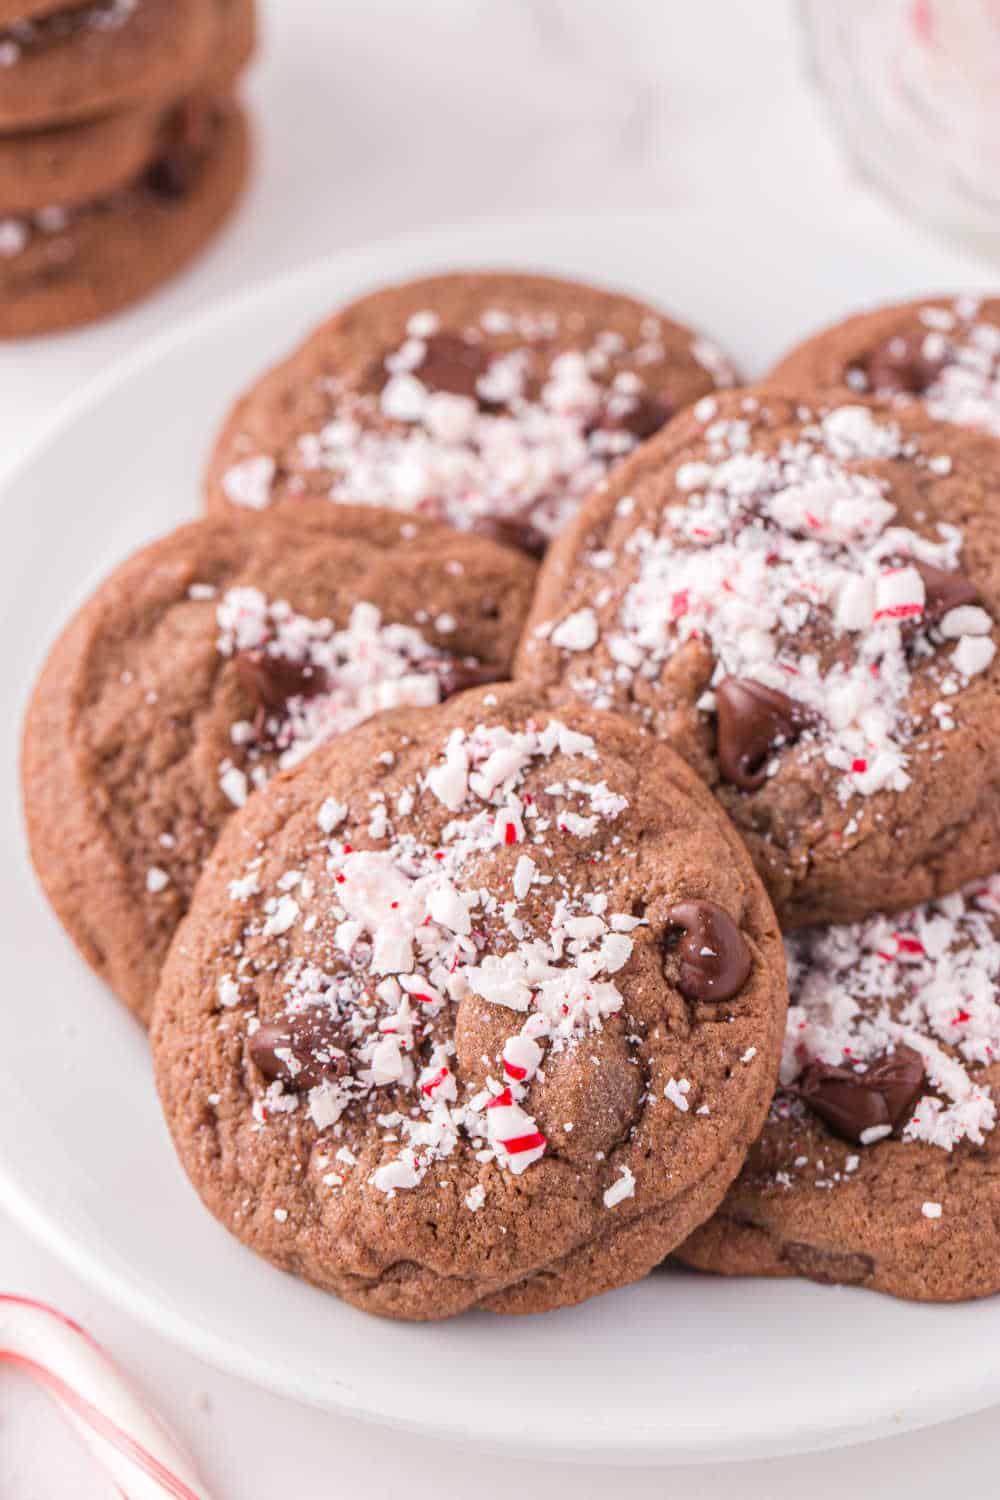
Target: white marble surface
{"type": "Point", "coordinates": [378, 116]}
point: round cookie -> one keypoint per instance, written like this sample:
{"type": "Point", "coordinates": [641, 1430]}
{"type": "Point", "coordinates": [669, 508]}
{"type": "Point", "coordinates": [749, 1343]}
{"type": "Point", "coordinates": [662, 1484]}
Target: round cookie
{"type": "Point", "coordinates": [68, 266]}
{"type": "Point", "coordinates": [491, 400]}
{"type": "Point", "coordinates": [103, 57]}
{"type": "Point", "coordinates": [468, 1012]}
{"type": "Point", "coordinates": [879, 1165]}
{"type": "Point", "coordinates": [939, 353]}
{"type": "Point", "coordinates": [213, 657]}
{"type": "Point", "coordinates": [803, 603]}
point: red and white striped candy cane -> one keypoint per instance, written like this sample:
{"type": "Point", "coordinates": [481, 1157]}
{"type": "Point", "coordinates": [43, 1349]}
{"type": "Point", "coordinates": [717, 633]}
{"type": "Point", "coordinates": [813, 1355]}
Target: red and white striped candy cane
{"type": "Point", "coordinates": [122, 1434]}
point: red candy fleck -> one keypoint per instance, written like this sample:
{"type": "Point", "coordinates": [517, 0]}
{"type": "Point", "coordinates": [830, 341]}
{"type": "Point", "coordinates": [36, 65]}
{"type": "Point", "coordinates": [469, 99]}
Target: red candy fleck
{"type": "Point", "coordinates": [859, 764]}
{"type": "Point", "coordinates": [341, 879]}
{"type": "Point", "coordinates": [510, 834]}
{"type": "Point", "coordinates": [899, 612]}
{"type": "Point", "coordinates": [961, 1017]}
{"type": "Point", "coordinates": [513, 1071]}
{"type": "Point", "coordinates": [432, 1083]}
{"type": "Point", "coordinates": [524, 1143]}
{"type": "Point", "coordinates": [908, 944]}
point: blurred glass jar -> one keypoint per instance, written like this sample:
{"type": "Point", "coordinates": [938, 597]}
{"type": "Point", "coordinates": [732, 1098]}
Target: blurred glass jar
{"type": "Point", "coordinates": [915, 88]}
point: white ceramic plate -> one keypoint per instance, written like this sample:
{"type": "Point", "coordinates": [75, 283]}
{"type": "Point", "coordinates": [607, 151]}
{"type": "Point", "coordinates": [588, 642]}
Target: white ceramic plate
{"type": "Point", "coordinates": [680, 1368]}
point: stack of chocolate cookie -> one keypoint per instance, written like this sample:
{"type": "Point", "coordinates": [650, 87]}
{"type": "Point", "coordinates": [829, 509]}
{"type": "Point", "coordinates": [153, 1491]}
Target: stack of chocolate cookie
{"type": "Point", "coordinates": [122, 149]}
{"type": "Point", "coordinates": [473, 993]}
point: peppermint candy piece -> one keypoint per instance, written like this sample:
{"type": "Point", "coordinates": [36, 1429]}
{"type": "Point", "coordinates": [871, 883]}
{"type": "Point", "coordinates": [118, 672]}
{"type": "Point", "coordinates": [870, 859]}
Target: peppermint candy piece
{"type": "Point", "coordinates": [122, 1435]}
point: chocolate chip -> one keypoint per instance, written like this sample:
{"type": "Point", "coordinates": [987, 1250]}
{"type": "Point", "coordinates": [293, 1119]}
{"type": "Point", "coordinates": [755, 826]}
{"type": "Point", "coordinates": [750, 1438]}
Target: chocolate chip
{"type": "Point", "coordinates": [944, 591]}
{"type": "Point", "coordinates": [642, 416]}
{"type": "Point", "coordinates": [174, 173]}
{"type": "Point", "coordinates": [271, 680]}
{"type": "Point", "coordinates": [705, 955]}
{"type": "Point", "coordinates": [850, 1102]}
{"type": "Point", "coordinates": [301, 1051]}
{"type": "Point", "coordinates": [451, 363]}
{"type": "Point", "coordinates": [455, 675]}
{"type": "Point", "coordinates": [186, 136]}
{"type": "Point", "coordinates": [900, 365]}
{"type": "Point", "coordinates": [753, 721]}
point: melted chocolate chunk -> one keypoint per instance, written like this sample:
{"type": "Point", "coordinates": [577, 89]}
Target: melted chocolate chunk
{"type": "Point", "coordinates": [705, 955]}
{"type": "Point", "coordinates": [944, 591]}
{"type": "Point", "coordinates": [753, 720]}
{"type": "Point", "coordinates": [900, 365]}
{"type": "Point", "coordinates": [272, 680]}
{"type": "Point", "coordinates": [882, 1094]}
{"type": "Point", "coordinates": [301, 1051]}
{"type": "Point", "coordinates": [453, 364]}
{"type": "Point", "coordinates": [174, 173]}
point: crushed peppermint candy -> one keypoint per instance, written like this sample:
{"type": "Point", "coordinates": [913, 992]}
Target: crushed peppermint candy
{"type": "Point", "coordinates": [928, 980]}
{"type": "Point", "coordinates": [623, 1187]}
{"type": "Point", "coordinates": [405, 942]}
{"type": "Point", "coordinates": [954, 362]}
{"type": "Point", "coordinates": [482, 436]}
{"type": "Point", "coordinates": [790, 563]}
{"type": "Point", "coordinates": [314, 681]}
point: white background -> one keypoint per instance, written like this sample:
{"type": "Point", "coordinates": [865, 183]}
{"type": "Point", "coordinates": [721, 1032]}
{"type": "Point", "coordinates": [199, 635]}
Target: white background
{"type": "Point", "coordinates": [373, 117]}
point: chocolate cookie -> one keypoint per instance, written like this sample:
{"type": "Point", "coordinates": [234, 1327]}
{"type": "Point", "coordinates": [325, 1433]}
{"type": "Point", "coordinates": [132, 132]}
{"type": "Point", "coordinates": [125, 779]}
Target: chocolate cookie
{"type": "Point", "coordinates": [473, 1007]}
{"type": "Point", "coordinates": [67, 266]}
{"type": "Point", "coordinates": [803, 602]}
{"type": "Point", "coordinates": [210, 659]}
{"type": "Point", "coordinates": [879, 1165]}
{"type": "Point", "coordinates": [101, 57]}
{"type": "Point", "coordinates": [941, 354]}
{"type": "Point", "coordinates": [493, 401]}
